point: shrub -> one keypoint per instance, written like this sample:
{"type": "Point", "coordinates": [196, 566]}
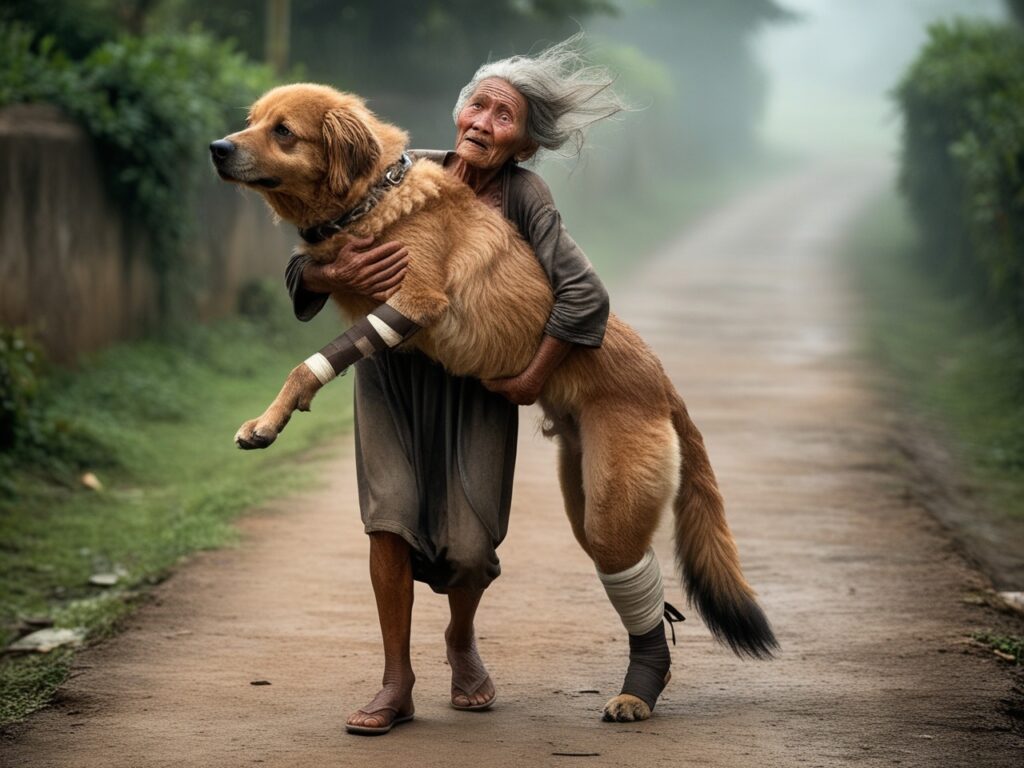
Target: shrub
{"type": "Point", "coordinates": [20, 366]}
{"type": "Point", "coordinates": [152, 104]}
{"type": "Point", "coordinates": [963, 155]}
{"type": "Point", "coordinates": [33, 69]}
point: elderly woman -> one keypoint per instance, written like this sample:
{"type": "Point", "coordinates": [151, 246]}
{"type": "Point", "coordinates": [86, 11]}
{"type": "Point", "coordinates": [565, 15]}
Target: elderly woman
{"type": "Point", "coordinates": [436, 453]}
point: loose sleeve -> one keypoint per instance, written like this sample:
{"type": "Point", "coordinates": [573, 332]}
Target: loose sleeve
{"type": "Point", "coordinates": [580, 311]}
{"type": "Point", "coordinates": [305, 303]}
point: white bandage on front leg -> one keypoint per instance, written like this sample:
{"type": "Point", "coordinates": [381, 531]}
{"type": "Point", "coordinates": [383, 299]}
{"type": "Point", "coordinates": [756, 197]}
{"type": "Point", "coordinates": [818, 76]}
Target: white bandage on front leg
{"type": "Point", "coordinates": [384, 328]}
{"type": "Point", "coordinates": [321, 368]}
{"type": "Point", "coordinates": [637, 594]}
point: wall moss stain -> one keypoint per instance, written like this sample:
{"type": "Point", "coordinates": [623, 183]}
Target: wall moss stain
{"type": "Point", "coordinates": [75, 268]}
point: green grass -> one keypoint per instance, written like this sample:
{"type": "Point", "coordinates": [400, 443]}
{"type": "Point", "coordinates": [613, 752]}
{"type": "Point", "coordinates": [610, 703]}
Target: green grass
{"type": "Point", "coordinates": [1010, 645]}
{"type": "Point", "coordinates": [951, 358]}
{"type": "Point", "coordinates": [157, 420]}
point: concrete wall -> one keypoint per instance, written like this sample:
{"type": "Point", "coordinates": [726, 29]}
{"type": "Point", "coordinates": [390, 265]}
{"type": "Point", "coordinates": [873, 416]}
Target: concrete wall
{"type": "Point", "coordinates": [75, 268]}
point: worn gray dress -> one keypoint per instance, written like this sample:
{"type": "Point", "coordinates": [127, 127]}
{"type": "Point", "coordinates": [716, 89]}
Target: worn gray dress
{"type": "Point", "coordinates": [435, 453]}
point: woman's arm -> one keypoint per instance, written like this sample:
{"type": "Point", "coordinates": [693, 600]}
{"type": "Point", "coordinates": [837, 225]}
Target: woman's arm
{"type": "Point", "coordinates": [375, 272]}
{"type": "Point", "coordinates": [525, 388]}
{"type": "Point", "coordinates": [580, 311]}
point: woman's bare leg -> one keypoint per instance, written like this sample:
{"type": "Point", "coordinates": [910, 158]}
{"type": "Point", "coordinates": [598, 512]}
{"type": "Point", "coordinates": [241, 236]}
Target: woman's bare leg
{"type": "Point", "coordinates": [391, 575]}
{"type": "Point", "coordinates": [462, 652]}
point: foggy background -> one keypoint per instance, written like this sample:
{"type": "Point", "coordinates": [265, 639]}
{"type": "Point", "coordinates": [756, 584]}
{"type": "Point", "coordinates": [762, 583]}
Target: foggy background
{"type": "Point", "coordinates": [830, 75]}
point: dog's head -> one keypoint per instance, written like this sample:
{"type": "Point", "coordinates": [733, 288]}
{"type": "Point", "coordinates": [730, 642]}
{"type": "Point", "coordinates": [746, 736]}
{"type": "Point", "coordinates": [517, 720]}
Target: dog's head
{"type": "Point", "coordinates": [306, 148]}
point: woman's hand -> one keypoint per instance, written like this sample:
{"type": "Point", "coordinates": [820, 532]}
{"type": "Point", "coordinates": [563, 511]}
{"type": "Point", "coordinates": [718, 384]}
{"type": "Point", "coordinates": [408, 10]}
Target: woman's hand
{"type": "Point", "coordinates": [521, 389]}
{"type": "Point", "coordinates": [375, 272]}
{"type": "Point", "coordinates": [525, 388]}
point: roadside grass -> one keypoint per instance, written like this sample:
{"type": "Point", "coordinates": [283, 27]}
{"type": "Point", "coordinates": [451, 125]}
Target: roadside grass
{"type": "Point", "coordinates": [1007, 647]}
{"type": "Point", "coordinates": [159, 417]}
{"type": "Point", "coordinates": [951, 358]}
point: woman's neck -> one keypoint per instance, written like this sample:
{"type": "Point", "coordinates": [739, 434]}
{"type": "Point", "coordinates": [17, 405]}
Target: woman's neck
{"type": "Point", "coordinates": [478, 179]}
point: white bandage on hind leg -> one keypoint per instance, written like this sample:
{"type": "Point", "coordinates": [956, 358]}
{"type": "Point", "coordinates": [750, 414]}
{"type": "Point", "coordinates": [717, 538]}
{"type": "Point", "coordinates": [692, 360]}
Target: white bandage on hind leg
{"type": "Point", "coordinates": [637, 594]}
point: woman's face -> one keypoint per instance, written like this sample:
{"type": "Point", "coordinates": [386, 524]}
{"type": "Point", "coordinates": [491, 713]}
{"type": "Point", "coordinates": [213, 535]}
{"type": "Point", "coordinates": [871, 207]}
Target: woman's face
{"type": "Point", "coordinates": [491, 128]}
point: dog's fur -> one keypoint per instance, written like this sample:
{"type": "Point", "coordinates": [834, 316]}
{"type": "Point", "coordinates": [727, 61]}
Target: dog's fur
{"type": "Point", "coordinates": [627, 447]}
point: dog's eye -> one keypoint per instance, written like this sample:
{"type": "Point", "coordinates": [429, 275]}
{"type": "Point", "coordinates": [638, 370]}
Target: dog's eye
{"type": "Point", "coordinates": [282, 131]}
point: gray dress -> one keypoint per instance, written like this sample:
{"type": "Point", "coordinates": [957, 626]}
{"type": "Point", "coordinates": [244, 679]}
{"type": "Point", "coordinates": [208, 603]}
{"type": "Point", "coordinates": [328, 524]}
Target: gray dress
{"type": "Point", "coordinates": [435, 453]}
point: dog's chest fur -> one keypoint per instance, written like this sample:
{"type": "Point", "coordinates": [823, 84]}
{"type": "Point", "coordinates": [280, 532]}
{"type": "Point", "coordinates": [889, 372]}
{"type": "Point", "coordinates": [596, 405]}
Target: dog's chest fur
{"type": "Point", "coordinates": [498, 296]}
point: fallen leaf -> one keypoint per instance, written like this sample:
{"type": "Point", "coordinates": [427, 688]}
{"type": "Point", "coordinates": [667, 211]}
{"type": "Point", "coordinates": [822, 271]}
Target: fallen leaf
{"type": "Point", "coordinates": [90, 481]}
{"type": "Point", "coordinates": [1013, 599]}
{"type": "Point", "coordinates": [45, 640]}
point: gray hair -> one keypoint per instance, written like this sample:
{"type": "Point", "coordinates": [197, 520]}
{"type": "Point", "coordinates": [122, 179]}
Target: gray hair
{"type": "Point", "coordinates": [564, 93]}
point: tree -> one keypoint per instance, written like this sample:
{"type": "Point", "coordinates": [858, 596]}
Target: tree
{"type": "Point", "coordinates": [705, 47]}
{"type": "Point", "coordinates": [1017, 9]}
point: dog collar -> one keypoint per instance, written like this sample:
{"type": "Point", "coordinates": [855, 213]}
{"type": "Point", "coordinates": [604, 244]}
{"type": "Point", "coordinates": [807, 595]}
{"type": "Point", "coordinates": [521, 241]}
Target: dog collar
{"type": "Point", "coordinates": [392, 177]}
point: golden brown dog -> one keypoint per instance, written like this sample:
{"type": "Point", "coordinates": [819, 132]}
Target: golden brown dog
{"type": "Point", "coordinates": [627, 446]}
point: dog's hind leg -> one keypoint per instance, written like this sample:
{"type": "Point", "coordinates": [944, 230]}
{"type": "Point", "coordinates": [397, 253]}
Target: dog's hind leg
{"type": "Point", "coordinates": [630, 474]}
{"type": "Point", "coordinates": [570, 478]}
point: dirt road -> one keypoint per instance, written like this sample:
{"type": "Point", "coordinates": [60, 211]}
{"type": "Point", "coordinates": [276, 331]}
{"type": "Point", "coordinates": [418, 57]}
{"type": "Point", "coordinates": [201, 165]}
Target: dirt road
{"type": "Point", "coordinates": [755, 325]}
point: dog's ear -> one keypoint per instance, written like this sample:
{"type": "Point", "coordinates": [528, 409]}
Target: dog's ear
{"type": "Point", "coordinates": [351, 148]}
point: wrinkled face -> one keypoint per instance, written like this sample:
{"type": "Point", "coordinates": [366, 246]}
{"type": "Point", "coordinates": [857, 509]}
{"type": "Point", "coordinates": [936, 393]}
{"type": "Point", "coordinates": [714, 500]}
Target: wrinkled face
{"type": "Point", "coordinates": [299, 140]}
{"type": "Point", "coordinates": [491, 127]}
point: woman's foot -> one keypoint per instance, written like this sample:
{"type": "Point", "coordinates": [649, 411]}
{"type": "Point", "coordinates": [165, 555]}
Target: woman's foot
{"type": "Point", "coordinates": [472, 687]}
{"type": "Point", "coordinates": [392, 705]}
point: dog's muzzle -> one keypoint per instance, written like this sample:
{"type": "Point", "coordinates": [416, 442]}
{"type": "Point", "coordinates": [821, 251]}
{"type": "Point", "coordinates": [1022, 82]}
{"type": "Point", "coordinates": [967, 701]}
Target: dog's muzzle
{"type": "Point", "coordinates": [234, 164]}
{"type": "Point", "coordinates": [221, 150]}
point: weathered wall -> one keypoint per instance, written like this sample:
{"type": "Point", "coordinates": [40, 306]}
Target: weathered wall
{"type": "Point", "coordinates": [76, 269]}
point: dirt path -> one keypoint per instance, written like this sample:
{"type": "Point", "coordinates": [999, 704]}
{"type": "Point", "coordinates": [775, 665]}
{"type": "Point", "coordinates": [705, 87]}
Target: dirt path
{"type": "Point", "coordinates": [866, 593]}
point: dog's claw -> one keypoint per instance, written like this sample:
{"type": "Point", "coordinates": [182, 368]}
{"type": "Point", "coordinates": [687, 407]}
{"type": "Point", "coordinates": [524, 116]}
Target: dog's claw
{"type": "Point", "coordinates": [250, 437]}
{"type": "Point", "coordinates": [625, 708]}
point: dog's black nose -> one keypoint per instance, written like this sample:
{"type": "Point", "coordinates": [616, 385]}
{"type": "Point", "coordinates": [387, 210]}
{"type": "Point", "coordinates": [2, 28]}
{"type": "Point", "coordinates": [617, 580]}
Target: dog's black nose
{"type": "Point", "coordinates": [221, 149]}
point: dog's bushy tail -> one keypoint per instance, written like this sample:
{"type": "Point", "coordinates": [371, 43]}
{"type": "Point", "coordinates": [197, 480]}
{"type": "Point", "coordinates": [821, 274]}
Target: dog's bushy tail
{"type": "Point", "coordinates": [706, 553]}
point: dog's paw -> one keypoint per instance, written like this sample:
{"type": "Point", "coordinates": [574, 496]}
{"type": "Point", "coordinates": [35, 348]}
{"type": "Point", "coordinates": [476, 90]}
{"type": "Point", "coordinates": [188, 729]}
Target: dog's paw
{"type": "Point", "coordinates": [625, 708]}
{"type": "Point", "coordinates": [253, 434]}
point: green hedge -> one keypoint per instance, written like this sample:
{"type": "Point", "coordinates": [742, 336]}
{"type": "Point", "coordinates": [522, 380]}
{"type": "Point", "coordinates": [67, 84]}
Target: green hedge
{"type": "Point", "coordinates": [963, 156]}
{"type": "Point", "coordinates": [152, 104]}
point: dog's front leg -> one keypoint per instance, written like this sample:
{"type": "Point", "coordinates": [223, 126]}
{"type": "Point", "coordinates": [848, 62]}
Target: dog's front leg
{"type": "Point", "coordinates": [297, 393]}
{"type": "Point", "coordinates": [383, 328]}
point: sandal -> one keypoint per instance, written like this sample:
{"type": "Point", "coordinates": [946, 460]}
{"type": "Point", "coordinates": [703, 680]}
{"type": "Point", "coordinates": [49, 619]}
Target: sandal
{"type": "Point", "coordinates": [469, 686]}
{"type": "Point", "coordinates": [458, 690]}
{"type": "Point", "coordinates": [397, 717]}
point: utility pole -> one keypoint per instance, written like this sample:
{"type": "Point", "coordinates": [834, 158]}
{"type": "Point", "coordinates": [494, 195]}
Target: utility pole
{"type": "Point", "coordinates": [278, 34]}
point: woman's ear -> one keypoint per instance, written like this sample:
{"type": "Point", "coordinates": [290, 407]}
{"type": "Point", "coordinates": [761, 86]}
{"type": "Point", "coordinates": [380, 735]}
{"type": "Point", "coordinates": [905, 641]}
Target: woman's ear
{"type": "Point", "coordinates": [527, 152]}
{"type": "Point", "coordinates": [351, 148]}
